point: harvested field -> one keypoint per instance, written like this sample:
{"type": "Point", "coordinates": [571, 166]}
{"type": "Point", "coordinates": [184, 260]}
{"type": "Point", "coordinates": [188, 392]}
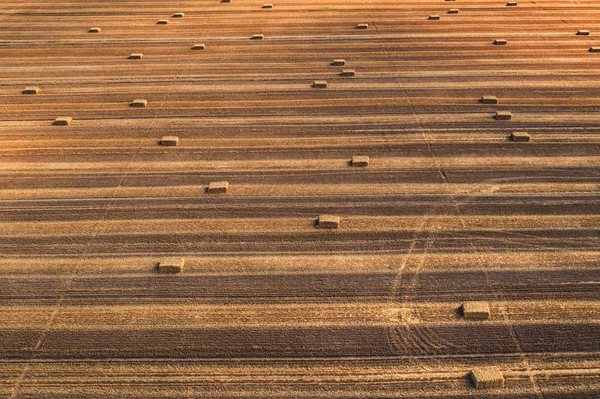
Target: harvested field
{"type": "Point", "coordinates": [389, 233]}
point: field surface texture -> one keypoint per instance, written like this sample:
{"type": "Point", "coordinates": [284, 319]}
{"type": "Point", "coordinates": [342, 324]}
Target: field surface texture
{"type": "Point", "coordinates": [366, 228]}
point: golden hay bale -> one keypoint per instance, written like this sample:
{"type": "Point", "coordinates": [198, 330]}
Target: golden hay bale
{"type": "Point", "coordinates": [476, 310]}
{"type": "Point", "coordinates": [489, 100]}
{"type": "Point", "coordinates": [171, 265]}
{"type": "Point", "coordinates": [348, 72]}
{"type": "Point", "coordinates": [218, 187]}
{"type": "Point", "coordinates": [225, 1]}
{"type": "Point", "coordinates": [487, 377]}
{"type": "Point", "coordinates": [328, 222]}
{"type": "Point", "coordinates": [360, 161]}
{"type": "Point", "coordinates": [169, 141]}
{"type": "Point", "coordinates": [500, 42]}
{"type": "Point", "coordinates": [268, 5]}
{"type": "Point", "coordinates": [139, 103]}
{"type": "Point", "coordinates": [94, 30]}
{"type": "Point", "coordinates": [320, 84]}
{"type": "Point", "coordinates": [582, 32]}
{"type": "Point", "coordinates": [594, 49]}
{"type": "Point", "coordinates": [453, 11]}
{"type": "Point", "coordinates": [136, 56]}
{"type": "Point", "coordinates": [520, 136]}
{"type": "Point", "coordinates": [503, 115]}
{"type": "Point", "coordinates": [362, 26]}
{"type": "Point", "coordinates": [162, 22]}
{"type": "Point", "coordinates": [31, 90]}
{"type": "Point", "coordinates": [434, 17]}
{"type": "Point", "coordinates": [511, 4]}
{"type": "Point", "coordinates": [178, 15]}
{"type": "Point", "coordinates": [63, 121]}
{"type": "Point", "coordinates": [257, 37]}
{"type": "Point", "coordinates": [198, 46]}
{"type": "Point", "coordinates": [338, 62]}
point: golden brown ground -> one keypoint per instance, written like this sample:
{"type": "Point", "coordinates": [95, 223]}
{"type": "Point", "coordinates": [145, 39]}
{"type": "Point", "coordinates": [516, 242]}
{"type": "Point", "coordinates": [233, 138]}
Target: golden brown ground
{"type": "Point", "coordinates": [448, 210]}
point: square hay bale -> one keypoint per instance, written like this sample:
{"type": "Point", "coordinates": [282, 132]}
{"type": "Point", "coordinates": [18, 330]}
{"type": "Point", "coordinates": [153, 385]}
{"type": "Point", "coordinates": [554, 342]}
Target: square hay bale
{"type": "Point", "coordinates": [348, 72]}
{"type": "Point", "coordinates": [360, 161]}
{"type": "Point", "coordinates": [453, 11]}
{"type": "Point", "coordinates": [362, 26]}
{"type": "Point", "coordinates": [225, 1]}
{"type": "Point", "coordinates": [218, 187]}
{"type": "Point", "coordinates": [198, 46]}
{"type": "Point", "coordinates": [178, 15]}
{"type": "Point", "coordinates": [257, 37]}
{"type": "Point", "coordinates": [434, 17]}
{"type": "Point", "coordinates": [139, 103]}
{"type": "Point", "coordinates": [511, 4]}
{"type": "Point", "coordinates": [136, 56]}
{"type": "Point", "coordinates": [450, 0]}
{"type": "Point", "coordinates": [520, 136]}
{"type": "Point", "coordinates": [489, 100]}
{"type": "Point", "coordinates": [169, 141]}
{"type": "Point", "coordinates": [328, 222]}
{"type": "Point", "coordinates": [338, 62]}
{"type": "Point", "coordinates": [320, 84]}
{"type": "Point", "coordinates": [268, 5]}
{"type": "Point", "coordinates": [63, 121]}
{"type": "Point", "coordinates": [503, 115]}
{"type": "Point", "coordinates": [582, 32]}
{"type": "Point", "coordinates": [94, 30]}
{"type": "Point", "coordinates": [31, 90]}
{"type": "Point", "coordinates": [171, 265]}
{"type": "Point", "coordinates": [476, 310]}
{"type": "Point", "coordinates": [500, 42]}
{"type": "Point", "coordinates": [487, 377]}
{"type": "Point", "coordinates": [594, 49]}
{"type": "Point", "coordinates": [162, 22]}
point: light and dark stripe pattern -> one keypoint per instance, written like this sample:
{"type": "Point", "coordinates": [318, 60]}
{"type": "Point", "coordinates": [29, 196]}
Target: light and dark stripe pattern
{"type": "Point", "coordinates": [448, 210]}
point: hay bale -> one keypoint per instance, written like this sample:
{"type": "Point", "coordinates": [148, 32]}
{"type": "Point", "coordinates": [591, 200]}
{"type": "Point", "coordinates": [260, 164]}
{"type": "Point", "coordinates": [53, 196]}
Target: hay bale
{"type": "Point", "coordinates": [348, 72]}
{"type": "Point", "coordinates": [63, 121]}
{"type": "Point", "coordinates": [360, 161]}
{"type": "Point", "coordinates": [31, 90]}
{"type": "Point", "coordinates": [449, 0]}
{"type": "Point", "coordinates": [136, 56]}
{"type": "Point", "coordinates": [162, 22]}
{"type": "Point", "coordinates": [328, 222]}
{"type": "Point", "coordinates": [268, 5]}
{"type": "Point", "coordinates": [434, 17]}
{"type": "Point", "coordinates": [257, 37]}
{"type": "Point", "coordinates": [476, 310]}
{"type": "Point", "coordinates": [594, 49]}
{"type": "Point", "coordinates": [320, 84]}
{"type": "Point", "coordinates": [225, 1]}
{"type": "Point", "coordinates": [362, 26]}
{"type": "Point", "coordinates": [503, 115]}
{"type": "Point", "coordinates": [94, 30]}
{"type": "Point", "coordinates": [139, 103]}
{"type": "Point", "coordinates": [520, 136]}
{"type": "Point", "coordinates": [218, 187]}
{"type": "Point", "coordinates": [171, 265]}
{"type": "Point", "coordinates": [453, 11]}
{"type": "Point", "coordinates": [169, 141]}
{"type": "Point", "coordinates": [198, 46]}
{"type": "Point", "coordinates": [489, 100]}
{"type": "Point", "coordinates": [178, 15]}
{"type": "Point", "coordinates": [338, 62]}
{"type": "Point", "coordinates": [511, 4]}
{"type": "Point", "coordinates": [581, 32]}
{"type": "Point", "coordinates": [500, 42]}
{"type": "Point", "coordinates": [487, 377]}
